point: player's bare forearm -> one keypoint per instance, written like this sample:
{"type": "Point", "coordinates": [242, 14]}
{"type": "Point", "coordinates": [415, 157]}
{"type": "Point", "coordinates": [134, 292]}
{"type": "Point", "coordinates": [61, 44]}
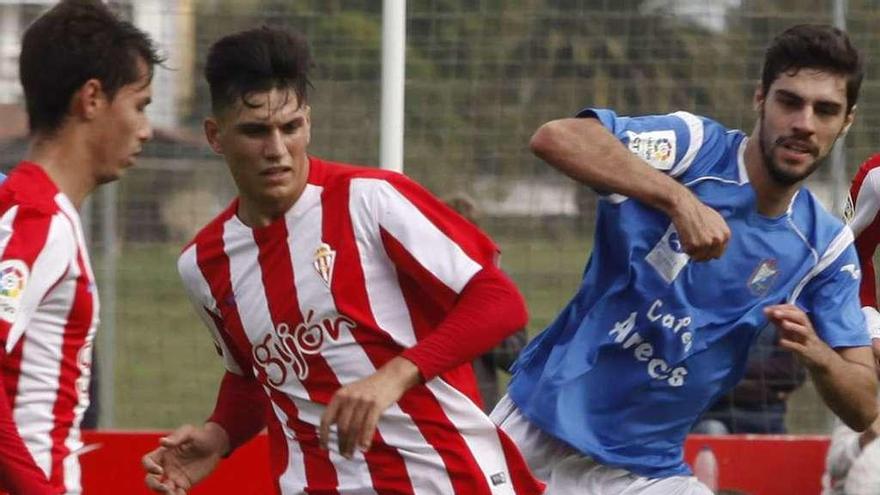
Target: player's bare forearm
{"type": "Point", "coordinates": [845, 377]}
{"type": "Point", "coordinates": [587, 152]}
{"type": "Point", "coordinates": [848, 384]}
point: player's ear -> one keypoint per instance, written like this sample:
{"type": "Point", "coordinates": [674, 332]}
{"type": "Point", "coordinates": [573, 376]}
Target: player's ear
{"type": "Point", "coordinates": [848, 120]}
{"type": "Point", "coordinates": [212, 134]}
{"type": "Point", "coordinates": [758, 98]}
{"type": "Point", "coordinates": [87, 101]}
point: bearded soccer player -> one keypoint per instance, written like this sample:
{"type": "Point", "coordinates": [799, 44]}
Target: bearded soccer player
{"type": "Point", "coordinates": [704, 237]}
{"type": "Point", "coordinates": [86, 76]}
{"type": "Point", "coordinates": [350, 297]}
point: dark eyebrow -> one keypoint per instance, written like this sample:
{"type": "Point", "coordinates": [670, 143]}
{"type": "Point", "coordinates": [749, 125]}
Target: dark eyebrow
{"type": "Point", "coordinates": [251, 126]}
{"type": "Point", "coordinates": [788, 94]}
{"type": "Point", "coordinates": [832, 106]}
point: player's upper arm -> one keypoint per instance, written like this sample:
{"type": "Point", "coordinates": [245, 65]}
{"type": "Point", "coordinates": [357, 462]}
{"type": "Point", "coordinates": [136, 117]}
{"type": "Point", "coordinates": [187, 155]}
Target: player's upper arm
{"type": "Point", "coordinates": [199, 293]}
{"type": "Point", "coordinates": [670, 143]}
{"type": "Point", "coordinates": [37, 248]}
{"type": "Point", "coordinates": [421, 236]}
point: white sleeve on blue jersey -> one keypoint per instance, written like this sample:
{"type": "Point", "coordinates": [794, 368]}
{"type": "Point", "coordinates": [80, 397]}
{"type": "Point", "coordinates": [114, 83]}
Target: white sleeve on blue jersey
{"type": "Point", "coordinates": [830, 295]}
{"type": "Point", "coordinates": [680, 144]}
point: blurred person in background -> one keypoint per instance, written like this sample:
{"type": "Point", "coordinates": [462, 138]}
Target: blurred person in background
{"type": "Point", "coordinates": [704, 237]}
{"type": "Point", "coordinates": [502, 356]}
{"type": "Point", "coordinates": [87, 77]}
{"type": "Point", "coordinates": [347, 300]}
{"type": "Point", "coordinates": [758, 403]}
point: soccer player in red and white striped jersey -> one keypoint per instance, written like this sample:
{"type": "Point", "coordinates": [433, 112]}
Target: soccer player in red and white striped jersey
{"type": "Point", "coordinates": [86, 77]}
{"type": "Point", "coordinates": [349, 297]}
{"type": "Point", "coordinates": [862, 214]}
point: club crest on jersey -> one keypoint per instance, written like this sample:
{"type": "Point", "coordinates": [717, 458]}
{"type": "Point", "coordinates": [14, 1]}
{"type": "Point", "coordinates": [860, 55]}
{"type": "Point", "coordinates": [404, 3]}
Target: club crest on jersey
{"type": "Point", "coordinates": [13, 278]}
{"type": "Point", "coordinates": [655, 147]}
{"type": "Point", "coordinates": [763, 277]}
{"type": "Point", "coordinates": [324, 258]}
{"type": "Point", "coordinates": [849, 210]}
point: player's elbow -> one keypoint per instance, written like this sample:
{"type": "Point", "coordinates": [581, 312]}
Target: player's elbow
{"type": "Point", "coordinates": [867, 415]}
{"type": "Point", "coordinates": [547, 140]}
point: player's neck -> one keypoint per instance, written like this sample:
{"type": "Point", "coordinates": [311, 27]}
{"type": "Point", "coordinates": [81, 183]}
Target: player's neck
{"type": "Point", "coordinates": [772, 198]}
{"type": "Point", "coordinates": [67, 162]}
{"type": "Point", "coordinates": [258, 214]}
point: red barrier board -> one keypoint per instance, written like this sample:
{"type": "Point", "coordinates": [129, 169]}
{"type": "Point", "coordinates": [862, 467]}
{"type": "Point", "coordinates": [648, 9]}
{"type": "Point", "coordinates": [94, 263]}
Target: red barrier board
{"type": "Point", "coordinates": [754, 464]}
{"type": "Point", "coordinates": [765, 464]}
{"type": "Point", "coordinates": [114, 467]}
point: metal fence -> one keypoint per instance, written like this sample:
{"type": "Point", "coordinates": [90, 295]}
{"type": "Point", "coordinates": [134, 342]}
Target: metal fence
{"type": "Point", "coordinates": [481, 76]}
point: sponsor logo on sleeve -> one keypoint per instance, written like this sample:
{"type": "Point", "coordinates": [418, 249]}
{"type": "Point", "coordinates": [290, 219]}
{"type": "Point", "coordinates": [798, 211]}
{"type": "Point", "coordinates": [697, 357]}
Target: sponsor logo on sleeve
{"type": "Point", "coordinates": [854, 272]}
{"type": "Point", "coordinates": [13, 279]}
{"type": "Point", "coordinates": [655, 147]}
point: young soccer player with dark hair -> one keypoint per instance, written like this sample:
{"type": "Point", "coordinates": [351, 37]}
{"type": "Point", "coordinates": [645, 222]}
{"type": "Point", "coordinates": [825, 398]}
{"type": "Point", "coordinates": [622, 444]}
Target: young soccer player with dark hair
{"type": "Point", "coordinates": [86, 76]}
{"type": "Point", "coordinates": [348, 300]}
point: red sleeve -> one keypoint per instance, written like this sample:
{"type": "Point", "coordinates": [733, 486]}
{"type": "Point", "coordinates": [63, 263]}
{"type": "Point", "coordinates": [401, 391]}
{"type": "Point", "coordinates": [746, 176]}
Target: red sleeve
{"type": "Point", "coordinates": [241, 408]}
{"type": "Point", "coordinates": [489, 309]}
{"type": "Point", "coordinates": [861, 213]}
{"type": "Point", "coordinates": [18, 471]}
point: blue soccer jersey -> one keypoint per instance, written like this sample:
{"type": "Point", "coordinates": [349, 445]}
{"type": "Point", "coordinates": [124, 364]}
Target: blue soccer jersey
{"type": "Point", "coordinates": [651, 338]}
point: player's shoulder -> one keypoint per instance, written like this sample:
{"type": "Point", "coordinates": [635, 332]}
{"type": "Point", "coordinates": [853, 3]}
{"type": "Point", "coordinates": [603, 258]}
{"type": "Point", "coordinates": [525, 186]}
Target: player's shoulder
{"type": "Point", "coordinates": [872, 163]}
{"type": "Point", "coordinates": [818, 226]}
{"type": "Point", "coordinates": [30, 190]}
{"type": "Point", "coordinates": [336, 175]}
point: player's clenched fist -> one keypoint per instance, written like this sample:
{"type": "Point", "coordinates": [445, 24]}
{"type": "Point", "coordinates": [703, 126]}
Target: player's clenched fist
{"type": "Point", "coordinates": [703, 231]}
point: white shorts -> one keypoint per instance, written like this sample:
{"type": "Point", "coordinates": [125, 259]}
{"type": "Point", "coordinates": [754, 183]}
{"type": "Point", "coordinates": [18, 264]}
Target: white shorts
{"type": "Point", "coordinates": [568, 472]}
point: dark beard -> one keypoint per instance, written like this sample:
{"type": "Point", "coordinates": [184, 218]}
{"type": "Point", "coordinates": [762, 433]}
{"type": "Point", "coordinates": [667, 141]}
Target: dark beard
{"type": "Point", "coordinates": [778, 174]}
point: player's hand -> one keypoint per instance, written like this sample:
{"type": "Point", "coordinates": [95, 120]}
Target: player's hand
{"type": "Point", "coordinates": [702, 230]}
{"type": "Point", "coordinates": [184, 458]}
{"type": "Point", "coordinates": [796, 333]}
{"type": "Point", "coordinates": [355, 408]}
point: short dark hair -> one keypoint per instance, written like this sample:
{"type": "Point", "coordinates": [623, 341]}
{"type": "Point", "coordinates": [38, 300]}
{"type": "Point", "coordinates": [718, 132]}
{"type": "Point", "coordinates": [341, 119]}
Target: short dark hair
{"type": "Point", "coordinates": [257, 60]}
{"type": "Point", "coordinates": [814, 46]}
{"type": "Point", "coordinates": [75, 41]}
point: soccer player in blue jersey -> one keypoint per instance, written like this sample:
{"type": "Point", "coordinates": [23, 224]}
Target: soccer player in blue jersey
{"type": "Point", "coordinates": [704, 237]}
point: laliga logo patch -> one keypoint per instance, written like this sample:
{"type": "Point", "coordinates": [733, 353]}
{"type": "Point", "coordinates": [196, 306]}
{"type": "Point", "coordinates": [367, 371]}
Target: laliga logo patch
{"type": "Point", "coordinates": [324, 258]}
{"type": "Point", "coordinates": [13, 278]}
{"type": "Point", "coordinates": [763, 277]}
{"type": "Point", "coordinates": [655, 147]}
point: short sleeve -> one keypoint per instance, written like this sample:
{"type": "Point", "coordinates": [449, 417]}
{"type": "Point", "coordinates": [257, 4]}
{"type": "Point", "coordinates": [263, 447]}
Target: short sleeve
{"type": "Point", "coordinates": [199, 294]}
{"type": "Point", "coordinates": [676, 143]}
{"type": "Point", "coordinates": [37, 250]}
{"type": "Point", "coordinates": [423, 237]}
{"type": "Point", "coordinates": [831, 298]}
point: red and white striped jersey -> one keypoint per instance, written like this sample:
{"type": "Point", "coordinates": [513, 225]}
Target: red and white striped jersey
{"type": "Point", "coordinates": [861, 213]}
{"type": "Point", "coordinates": [362, 267]}
{"type": "Point", "coordinates": [48, 317]}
